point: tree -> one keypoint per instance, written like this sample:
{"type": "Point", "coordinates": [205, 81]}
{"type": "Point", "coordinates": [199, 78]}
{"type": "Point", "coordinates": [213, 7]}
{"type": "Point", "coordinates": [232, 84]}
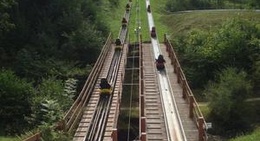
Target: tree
{"type": "Point", "coordinates": [5, 21]}
{"type": "Point", "coordinates": [85, 40]}
{"type": "Point", "coordinates": [16, 100]}
{"type": "Point", "coordinates": [227, 102]}
{"type": "Point", "coordinates": [235, 44]}
{"type": "Point", "coordinates": [6, 24]}
{"type": "Point", "coordinates": [44, 28]}
{"type": "Point", "coordinates": [53, 99]}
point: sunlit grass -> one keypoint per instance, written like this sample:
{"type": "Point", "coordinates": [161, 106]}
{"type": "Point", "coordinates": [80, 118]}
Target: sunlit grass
{"type": "Point", "coordinates": [138, 21]}
{"type": "Point", "coordinates": [8, 139]}
{"type": "Point", "coordinates": [255, 136]}
{"type": "Point", "coordinates": [158, 11]}
{"type": "Point", "coordinates": [113, 16]}
{"type": "Point", "coordinates": [157, 8]}
{"type": "Point", "coordinates": [204, 109]}
{"type": "Point", "coordinates": [181, 23]}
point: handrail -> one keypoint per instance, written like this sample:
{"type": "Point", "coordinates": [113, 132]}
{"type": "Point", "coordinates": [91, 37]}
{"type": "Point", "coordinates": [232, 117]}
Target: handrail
{"type": "Point", "coordinates": [35, 137]}
{"type": "Point", "coordinates": [122, 39]}
{"type": "Point", "coordinates": [195, 112]}
{"type": "Point", "coordinates": [142, 118]}
{"type": "Point", "coordinates": [75, 111]}
{"type": "Point", "coordinates": [116, 114]}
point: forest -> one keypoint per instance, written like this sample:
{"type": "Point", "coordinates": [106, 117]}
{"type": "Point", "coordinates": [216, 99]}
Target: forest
{"type": "Point", "coordinates": [47, 49]}
{"type": "Point", "coordinates": [224, 64]}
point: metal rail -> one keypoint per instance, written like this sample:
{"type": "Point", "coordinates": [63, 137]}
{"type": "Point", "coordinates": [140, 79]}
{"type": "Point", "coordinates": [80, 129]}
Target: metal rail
{"type": "Point", "coordinates": [124, 29]}
{"type": "Point", "coordinates": [98, 122]}
{"type": "Point", "coordinates": [90, 107]}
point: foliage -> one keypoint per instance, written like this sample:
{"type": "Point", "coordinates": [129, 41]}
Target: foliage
{"type": "Point", "coordinates": [205, 24]}
{"type": "Point", "coordinates": [15, 98]}
{"type": "Point", "coordinates": [83, 41]}
{"type": "Point", "coordinates": [114, 2]}
{"type": "Point", "coordinates": [8, 139]}
{"type": "Point", "coordinates": [254, 136]}
{"type": "Point", "coordinates": [256, 71]}
{"type": "Point", "coordinates": [52, 101]}
{"type": "Point", "coordinates": [39, 39]}
{"type": "Point", "coordinates": [182, 5]}
{"type": "Point", "coordinates": [51, 111]}
{"type": "Point", "coordinates": [32, 66]}
{"type": "Point", "coordinates": [49, 134]}
{"type": "Point", "coordinates": [5, 21]}
{"type": "Point", "coordinates": [158, 11]}
{"type": "Point", "coordinates": [50, 30]}
{"type": "Point", "coordinates": [69, 91]}
{"type": "Point", "coordinates": [234, 44]}
{"type": "Point", "coordinates": [229, 111]}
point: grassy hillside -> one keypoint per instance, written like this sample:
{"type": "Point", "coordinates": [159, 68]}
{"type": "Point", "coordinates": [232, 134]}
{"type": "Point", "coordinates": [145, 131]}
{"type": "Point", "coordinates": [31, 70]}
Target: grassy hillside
{"type": "Point", "coordinates": [255, 136]}
{"type": "Point", "coordinates": [8, 138]}
{"type": "Point", "coordinates": [112, 15]}
{"type": "Point", "coordinates": [158, 10]}
{"type": "Point", "coordinates": [138, 21]}
{"type": "Point", "coordinates": [180, 23]}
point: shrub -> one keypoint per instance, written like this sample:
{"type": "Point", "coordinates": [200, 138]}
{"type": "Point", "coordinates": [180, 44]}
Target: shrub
{"type": "Point", "coordinates": [16, 99]}
{"type": "Point", "coordinates": [228, 109]}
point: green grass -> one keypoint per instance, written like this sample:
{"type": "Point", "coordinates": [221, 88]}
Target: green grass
{"type": "Point", "coordinates": [204, 109]}
{"type": "Point", "coordinates": [255, 136]}
{"type": "Point", "coordinates": [181, 23]}
{"type": "Point", "coordinates": [7, 139]}
{"type": "Point", "coordinates": [138, 17]}
{"type": "Point", "coordinates": [158, 11]}
{"type": "Point", "coordinates": [113, 16]}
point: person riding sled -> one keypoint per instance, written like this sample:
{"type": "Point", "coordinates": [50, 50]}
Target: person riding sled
{"type": "Point", "coordinates": [105, 88]}
{"type": "Point", "coordinates": [160, 62]}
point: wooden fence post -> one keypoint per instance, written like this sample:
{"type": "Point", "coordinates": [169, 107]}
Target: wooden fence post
{"type": "Point", "coordinates": [114, 134]}
{"type": "Point", "coordinates": [184, 91]}
{"type": "Point", "coordinates": [143, 136]}
{"type": "Point", "coordinates": [178, 73]}
{"type": "Point", "coordinates": [142, 105]}
{"type": "Point", "coordinates": [201, 129]}
{"type": "Point", "coordinates": [191, 106]}
{"type": "Point", "coordinates": [143, 124]}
